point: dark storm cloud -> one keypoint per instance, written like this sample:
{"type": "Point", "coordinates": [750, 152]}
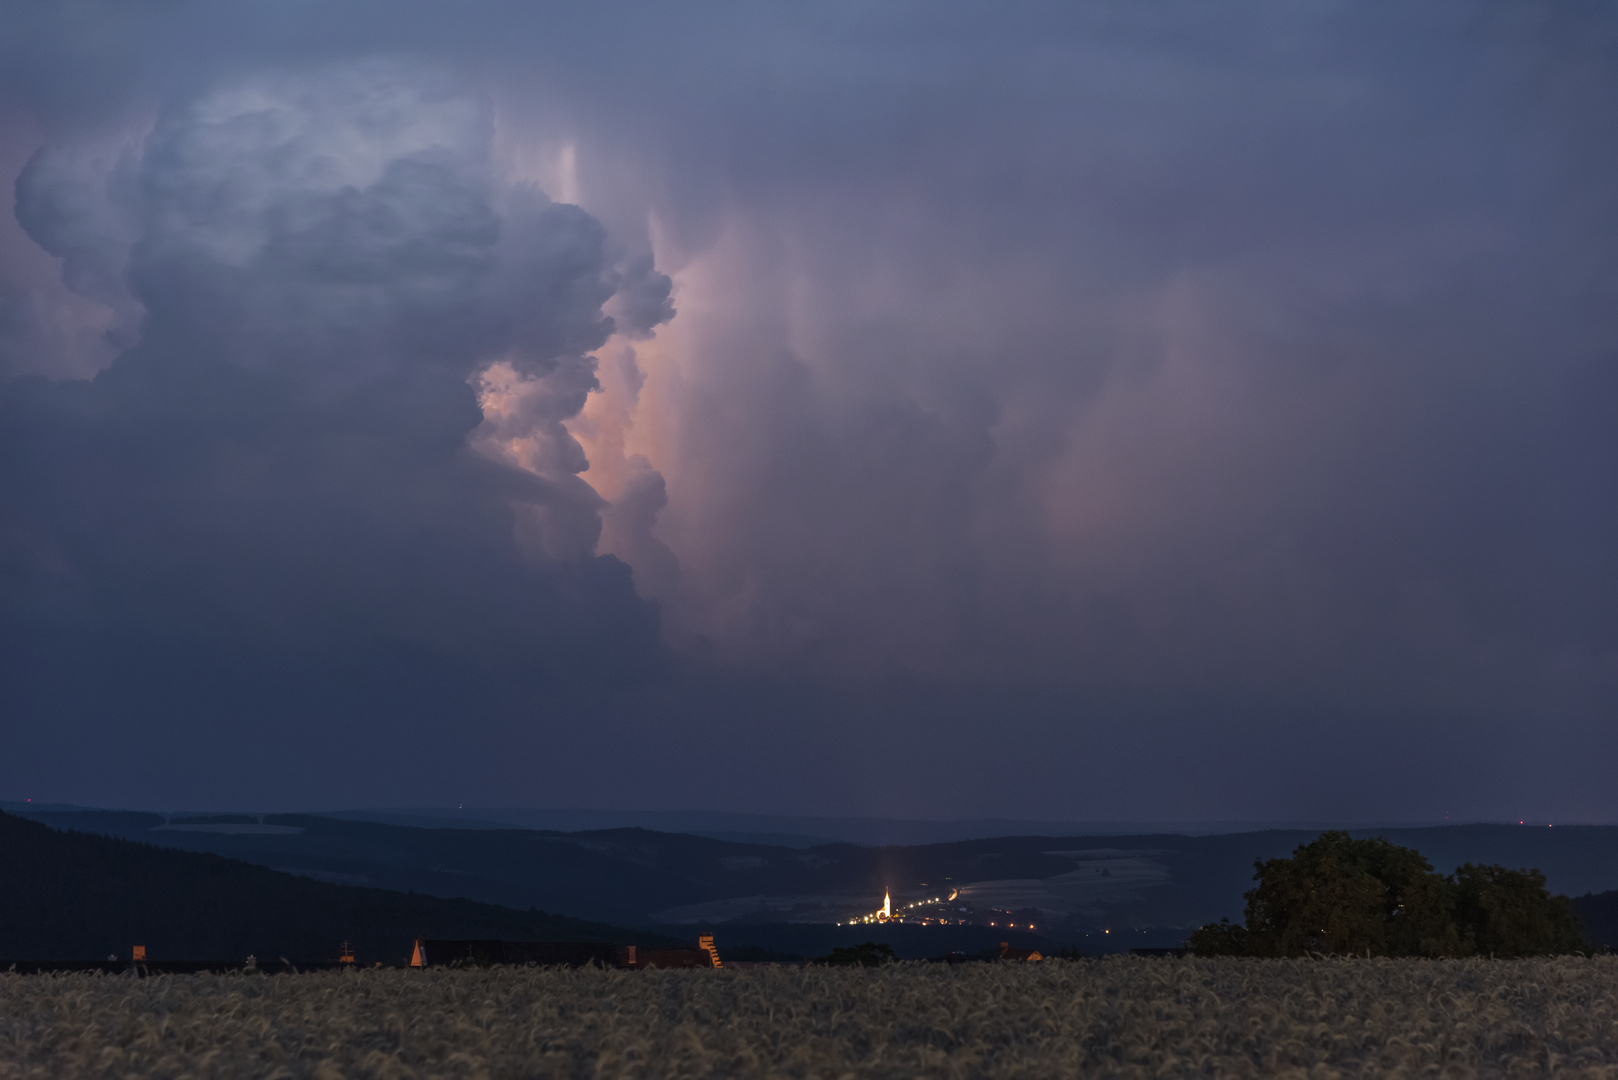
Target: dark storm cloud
{"type": "Point", "coordinates": [275, 480]}
{"type": "Point", "coordinates": [1205, 388]}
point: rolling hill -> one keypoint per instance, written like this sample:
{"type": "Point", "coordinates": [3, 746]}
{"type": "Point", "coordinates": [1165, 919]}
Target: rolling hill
{"type": "Point", "coordinates": [1094, 891]}
{"type": "Point", "coordinates": [77, 896]}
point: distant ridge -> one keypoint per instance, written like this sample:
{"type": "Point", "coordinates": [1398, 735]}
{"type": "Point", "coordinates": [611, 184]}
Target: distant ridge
{"type": "Point", "coordinates": [77, 896]}
{"type": "Point", "coordinates": [1073, 888]}
{"type": "Point", "coordinates": [805, 831]}
{"type": "Point", "coordinates": [782, 830]}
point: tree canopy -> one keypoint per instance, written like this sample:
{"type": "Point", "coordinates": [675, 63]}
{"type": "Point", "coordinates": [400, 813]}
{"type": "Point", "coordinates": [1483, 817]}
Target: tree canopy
{"type": "Point", "coordinates": [868, 954]}
{"type": "Point", "coordinates": [1370, 897]}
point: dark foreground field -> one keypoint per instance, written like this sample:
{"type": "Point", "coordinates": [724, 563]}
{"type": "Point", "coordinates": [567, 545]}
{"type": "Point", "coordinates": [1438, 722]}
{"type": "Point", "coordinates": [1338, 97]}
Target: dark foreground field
{"type": "Point", "coordinates": [1116, 1017]}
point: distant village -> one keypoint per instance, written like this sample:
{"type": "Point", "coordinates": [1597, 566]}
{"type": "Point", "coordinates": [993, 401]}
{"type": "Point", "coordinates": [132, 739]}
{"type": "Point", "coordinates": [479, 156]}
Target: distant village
{"type": "Point", "coordinates": [947, 911]}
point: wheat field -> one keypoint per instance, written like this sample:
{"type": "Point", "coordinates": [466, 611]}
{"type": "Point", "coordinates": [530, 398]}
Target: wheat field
{"type": "Point", "coordinates": [1116, 1017]}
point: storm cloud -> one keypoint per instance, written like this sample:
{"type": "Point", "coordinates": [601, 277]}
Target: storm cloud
{"type": "Point", "coordinates": [277, 475]}
{"type": "Point", "coordinates": [1191, 399]}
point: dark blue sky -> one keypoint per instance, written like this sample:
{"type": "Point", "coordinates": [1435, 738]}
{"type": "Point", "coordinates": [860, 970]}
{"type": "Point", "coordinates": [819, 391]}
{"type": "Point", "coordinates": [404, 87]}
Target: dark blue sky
{"type": "Point", "coordinates": [1084, 410]}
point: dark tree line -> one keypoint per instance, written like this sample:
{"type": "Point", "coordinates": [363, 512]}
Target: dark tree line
{"type": "Point", "coordinates": [1339, 895]}
{"type": "Point", "coordinates": [870, 954]}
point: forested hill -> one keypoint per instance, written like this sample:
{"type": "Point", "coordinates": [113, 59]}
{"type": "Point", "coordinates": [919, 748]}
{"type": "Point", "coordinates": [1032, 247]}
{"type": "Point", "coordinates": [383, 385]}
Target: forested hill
{"type": "Point", "coordinates": [76, 896]}
{"type": "Point", "coordinates": [634, 877]}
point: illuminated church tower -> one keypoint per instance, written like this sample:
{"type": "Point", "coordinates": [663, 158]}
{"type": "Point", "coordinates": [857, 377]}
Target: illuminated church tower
{"type": "Point", "coordinates": [887, 905]}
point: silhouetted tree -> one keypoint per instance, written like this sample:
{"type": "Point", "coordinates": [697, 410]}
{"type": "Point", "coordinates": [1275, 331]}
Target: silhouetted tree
{"type": "Point", "coordinates": [869, 954]}
{"type": "Point", "coordinates": [1502, 912]}
{"type": "Point", "coordinates": [1339, 895]}
{"type": "Point", "coordinates": [1223, 938]}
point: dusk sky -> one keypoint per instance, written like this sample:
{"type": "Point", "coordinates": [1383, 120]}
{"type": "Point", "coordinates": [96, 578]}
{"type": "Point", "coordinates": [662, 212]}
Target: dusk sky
{"type": "Point", "coordinates": [1094, 411]}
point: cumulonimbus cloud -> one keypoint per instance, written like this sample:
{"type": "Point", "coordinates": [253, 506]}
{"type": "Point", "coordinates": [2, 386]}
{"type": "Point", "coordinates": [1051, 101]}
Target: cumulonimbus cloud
{"type": "Point", "coordinates": [1245, 371]}
{"type": "Point", "coordinates": [324, 264]}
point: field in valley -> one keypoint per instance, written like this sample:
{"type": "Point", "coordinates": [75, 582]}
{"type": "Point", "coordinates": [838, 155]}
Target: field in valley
{"type": "Point", "coordinates": [1123, 1017]}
